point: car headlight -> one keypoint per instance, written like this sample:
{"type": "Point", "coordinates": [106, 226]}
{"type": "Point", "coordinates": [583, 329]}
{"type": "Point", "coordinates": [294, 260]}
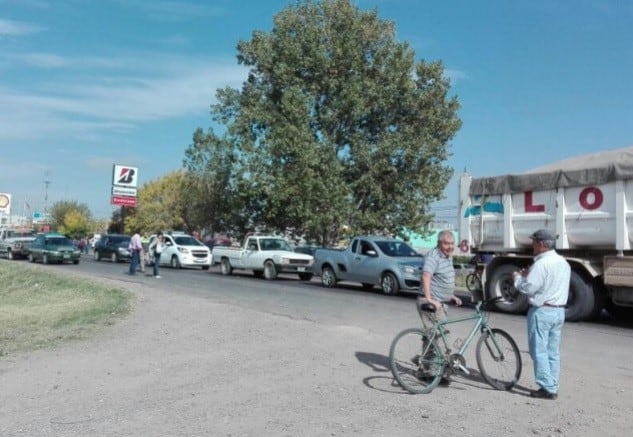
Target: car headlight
{"type": "Point", "coordinates": [182, 249]}
{"type": "Point", "coordinates": [407, 269]}
{"type": "Point", "coordinates": [284, 260]}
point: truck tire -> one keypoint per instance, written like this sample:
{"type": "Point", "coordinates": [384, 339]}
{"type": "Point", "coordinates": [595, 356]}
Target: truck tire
{"type": "Point", "coordinates": [270, 271]}
{"type": "Point", "coordinates": [580, 303]}
{"type": "Point", "coordinates": [328, 277]}
{"type": "Point", "coordinates": [97, 256]}
{"type": "Point", "coordinates": [389, 284]}
{"type": "Point", "coordinates": [225, 267]}
{"type": "Point", "coordinates": [114, 258]}
{"type": "Point", "coordinates": [10, 255]}
{"type": "Point", "coordinates": [31, 258]}
{"type": "Point", "coordinates": [501, 284]}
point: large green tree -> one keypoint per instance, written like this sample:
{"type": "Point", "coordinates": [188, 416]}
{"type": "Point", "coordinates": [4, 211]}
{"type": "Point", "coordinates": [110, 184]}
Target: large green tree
{"type": "Point", "coordinates": [71, 217]}
{"type": "Point", "coordinates": [337, 124]}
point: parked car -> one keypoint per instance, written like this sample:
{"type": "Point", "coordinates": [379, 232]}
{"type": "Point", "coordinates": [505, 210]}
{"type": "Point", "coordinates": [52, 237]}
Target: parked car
{"type": "Point", "coordinates": [265, 255]}
{"type": "Point", "coordinates": [182, 250]}
{"type": "Point", "coordinates": [113, 247]}
{"type": "Point", "coordinates": [53, 248]}
{"type": "Point", "coordinates": [371, 260]}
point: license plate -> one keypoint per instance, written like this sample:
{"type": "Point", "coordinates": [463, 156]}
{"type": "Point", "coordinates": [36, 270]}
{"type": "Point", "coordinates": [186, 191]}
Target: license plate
{"type": "Point", "coordinates": [66, 256]}
{"type": "Point", "coordinates": [301, 269]}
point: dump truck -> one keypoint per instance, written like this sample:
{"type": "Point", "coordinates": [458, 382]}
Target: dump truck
{"type": "Point", "coordinates": [586, 201]}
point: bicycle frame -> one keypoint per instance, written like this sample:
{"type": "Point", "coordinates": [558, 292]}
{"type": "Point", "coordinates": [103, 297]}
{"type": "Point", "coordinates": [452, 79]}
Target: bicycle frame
{"type": "Point", "coordinates": [480, 325]}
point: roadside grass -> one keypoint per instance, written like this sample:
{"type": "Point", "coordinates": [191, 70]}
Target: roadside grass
{"type": "Point", "coordinates": [40, 309]}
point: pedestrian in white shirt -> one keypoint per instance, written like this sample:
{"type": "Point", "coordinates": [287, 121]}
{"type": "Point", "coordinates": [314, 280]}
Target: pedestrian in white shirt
{"type": "Point", "coordinates": [546, 283]}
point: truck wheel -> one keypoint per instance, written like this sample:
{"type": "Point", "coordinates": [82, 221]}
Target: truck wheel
{"type": "Point", "coordinates": [305, 276]}
{"type": "Point", "coordinates": [225, 267]}
{"type": "Point", "coordinates": [10, 255]}
{"type": "Point", "coordinates": [501, 284]}
{"type": "Point", "coordinates": [96, 255]}
{"type": "Point", "coordinates": [580, 303]}
{"type": "Point", "coordinates": [31, 259]}
{"type": "Point", "coordinates": [389, 284]}
{"type": "Point", "coordinates": [114, 258]}
{"type": "Point", "coordinates": [270, 271]}
{"type": "Point", "coordinates": [328, 278]}
{"type": "Point", "coordinates": [44, 259]}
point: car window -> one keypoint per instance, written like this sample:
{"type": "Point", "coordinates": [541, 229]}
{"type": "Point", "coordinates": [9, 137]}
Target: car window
{"type": "Point", "coordinates": [274, 244]}
{"type": "Point", "coordinates": [397, 248]}
{"type": "Point", "coordinates": [186, 240]}
{"type": "Point", "coordinates": [58, 241]}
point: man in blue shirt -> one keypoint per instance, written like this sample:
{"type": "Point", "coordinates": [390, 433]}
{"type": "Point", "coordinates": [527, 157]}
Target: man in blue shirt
{"type": "Point", "coordinates": [546, 284]}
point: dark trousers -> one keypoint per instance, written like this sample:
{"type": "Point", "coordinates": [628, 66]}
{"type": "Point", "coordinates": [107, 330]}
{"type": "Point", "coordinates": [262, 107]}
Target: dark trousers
{"type": "Point", "coordinates": [134, 261]}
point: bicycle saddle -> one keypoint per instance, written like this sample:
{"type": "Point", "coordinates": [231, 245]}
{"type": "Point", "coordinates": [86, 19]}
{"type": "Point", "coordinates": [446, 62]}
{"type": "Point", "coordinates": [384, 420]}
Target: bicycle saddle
{"type": "Point", "coordinates": [428, 307]}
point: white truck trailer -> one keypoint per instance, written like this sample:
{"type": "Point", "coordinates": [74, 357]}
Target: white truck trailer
{"type": "Point", "coordinates": [587, 202]}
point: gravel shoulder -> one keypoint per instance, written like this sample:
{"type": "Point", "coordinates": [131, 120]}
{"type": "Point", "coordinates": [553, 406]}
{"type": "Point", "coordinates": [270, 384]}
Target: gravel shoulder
{"type": "Point", "coordinates": [188, 366]}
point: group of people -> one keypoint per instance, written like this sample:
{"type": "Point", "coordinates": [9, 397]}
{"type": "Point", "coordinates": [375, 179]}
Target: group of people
{"type": "Point", "coordinates": [137, 253]}
{"type": "Point", "coordinates": [545, 283]}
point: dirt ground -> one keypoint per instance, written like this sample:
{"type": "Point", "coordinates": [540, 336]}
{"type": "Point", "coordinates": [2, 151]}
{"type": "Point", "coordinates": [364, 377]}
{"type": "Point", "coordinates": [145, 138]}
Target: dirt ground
{"type": "Point", "coordinates": [186, 366]}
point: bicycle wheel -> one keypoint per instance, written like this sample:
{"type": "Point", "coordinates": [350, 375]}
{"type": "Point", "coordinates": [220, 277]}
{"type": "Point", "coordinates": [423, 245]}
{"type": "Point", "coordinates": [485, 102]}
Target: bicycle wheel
{"type": "Point", "coordinates": [499, 359]}
{"type": "Point", "coordinates": [416, 364]}
{"type": "Point", "coordinates": [473, 283]}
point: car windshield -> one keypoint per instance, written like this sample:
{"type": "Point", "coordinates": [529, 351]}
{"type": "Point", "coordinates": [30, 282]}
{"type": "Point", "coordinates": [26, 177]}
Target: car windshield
{"type": "Point", "coordinates": [58, 241]}
{"type": "Point", "coordinates": [397, 248]}
{"type": "Point", "coordinates": [187, 241]}
{"type": "Point", "coordinates": [274, 244]}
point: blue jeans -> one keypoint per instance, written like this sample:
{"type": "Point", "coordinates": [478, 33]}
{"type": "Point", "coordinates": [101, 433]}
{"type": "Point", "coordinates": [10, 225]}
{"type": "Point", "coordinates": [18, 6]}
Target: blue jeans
{"type": "Point", "coordinates": [156, 262]}
{"type": "Point", "coordinates": [134, 261]}
{"type": "Point", "coordinates": [545, 326]}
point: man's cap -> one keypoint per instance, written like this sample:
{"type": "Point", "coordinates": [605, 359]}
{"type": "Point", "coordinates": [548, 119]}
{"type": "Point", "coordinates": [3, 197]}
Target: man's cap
{"type": "Point", "coordinates": [543, 235]}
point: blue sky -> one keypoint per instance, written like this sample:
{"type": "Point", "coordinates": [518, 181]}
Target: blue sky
{"type": "Point", "coordinates": [85, 84]}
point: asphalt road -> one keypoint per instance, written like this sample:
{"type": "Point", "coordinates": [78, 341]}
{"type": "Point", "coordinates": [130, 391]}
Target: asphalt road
{"type": "Point", "coordinates": [310, 300]}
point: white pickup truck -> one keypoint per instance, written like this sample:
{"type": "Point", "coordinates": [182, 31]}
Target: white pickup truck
{"type": "Point", "coordinates": [15, 243]}
{"type": "Point", "coordinates": [266, 256]}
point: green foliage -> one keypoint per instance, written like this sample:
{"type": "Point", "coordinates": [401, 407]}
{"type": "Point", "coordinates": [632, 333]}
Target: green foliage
{"type": "Point", "coordinates": [174, 201]}
{"type": "Point", "coordinates": [71, 218]}
{"type": "Point", "coordinates": [337, 124]}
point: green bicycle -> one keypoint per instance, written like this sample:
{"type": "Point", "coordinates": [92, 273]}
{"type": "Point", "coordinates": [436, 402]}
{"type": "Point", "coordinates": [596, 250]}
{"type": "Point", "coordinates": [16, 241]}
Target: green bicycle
{"type": "Point", "coordinates": [419, 358]}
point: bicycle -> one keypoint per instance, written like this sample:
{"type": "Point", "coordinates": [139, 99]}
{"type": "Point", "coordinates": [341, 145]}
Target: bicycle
{"type": "Point", "coordinates": [418, 363]}
{"type": "Point", "coordinates": [473, 279]}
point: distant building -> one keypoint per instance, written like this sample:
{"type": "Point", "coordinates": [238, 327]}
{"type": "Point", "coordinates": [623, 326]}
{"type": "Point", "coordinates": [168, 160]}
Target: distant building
{"type": "Point", "coordinates": [424, 244]}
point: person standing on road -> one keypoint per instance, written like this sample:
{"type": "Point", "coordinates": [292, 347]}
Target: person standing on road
{"type": "Point", "coordinates": [135, 247]}
{"type": "Point", "coordinates": [438, 282]}
{"type": "Point", "coordinates": [546, 284]}
{"type": "Point", "coordinates": [155, 249]}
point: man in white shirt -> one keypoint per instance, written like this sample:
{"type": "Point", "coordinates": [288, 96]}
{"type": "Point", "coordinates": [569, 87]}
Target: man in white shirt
{"type": "Point", "coordinates": [546, 284]}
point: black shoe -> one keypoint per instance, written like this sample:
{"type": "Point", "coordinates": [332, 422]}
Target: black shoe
{"type": "Point", "coordinates": [541, 393]}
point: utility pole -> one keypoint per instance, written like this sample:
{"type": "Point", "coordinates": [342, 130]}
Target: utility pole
{"type": "Point", "coordinates": [46, 184]}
